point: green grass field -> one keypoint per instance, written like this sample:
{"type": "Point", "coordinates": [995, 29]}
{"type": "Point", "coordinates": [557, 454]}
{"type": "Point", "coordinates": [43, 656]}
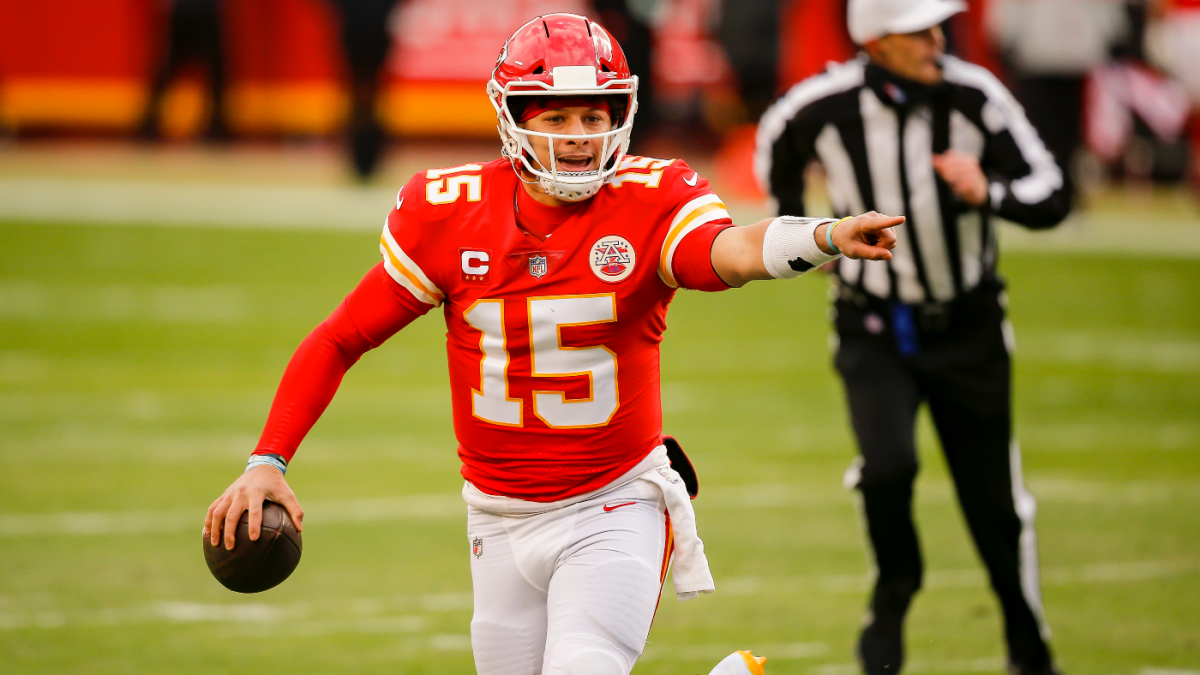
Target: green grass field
{"type": "Point", "coordinates": [137, 365]}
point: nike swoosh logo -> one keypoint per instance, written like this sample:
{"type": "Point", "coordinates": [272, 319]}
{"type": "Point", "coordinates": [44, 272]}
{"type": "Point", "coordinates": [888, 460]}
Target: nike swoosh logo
{"type": "Point", "coordinates": [613, 507]}
{"type": "Point", "coordinates": [399, 201]}
{"type": "Point", "coordinates": [692, 182]}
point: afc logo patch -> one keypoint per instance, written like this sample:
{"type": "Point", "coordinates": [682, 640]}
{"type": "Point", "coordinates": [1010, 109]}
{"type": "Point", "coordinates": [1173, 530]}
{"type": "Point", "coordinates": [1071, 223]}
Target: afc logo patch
{"type": "Point", "coordinates": [612, 258]}
{"type": "Point", "coordinates": [476, 265]}
{"type": "Point", "coordinates": [477, 547]}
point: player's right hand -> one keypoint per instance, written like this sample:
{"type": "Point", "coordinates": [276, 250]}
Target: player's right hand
{"type": "Point", "coordinates": [869, 236]}
{"type": "Point", "coordinates": [248, 492]}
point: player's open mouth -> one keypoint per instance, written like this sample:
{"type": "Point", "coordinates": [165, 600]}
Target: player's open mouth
{"type": "Point", "coordinates": [574, 163]}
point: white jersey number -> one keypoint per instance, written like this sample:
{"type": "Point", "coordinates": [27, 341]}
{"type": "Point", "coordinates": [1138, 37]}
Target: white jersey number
{"type": "Point", "coordinates": [442, 190]}
{"type": "Point", "coordinates": [547, 317]}
{"type": "Point", "coordinates": [491, 402]}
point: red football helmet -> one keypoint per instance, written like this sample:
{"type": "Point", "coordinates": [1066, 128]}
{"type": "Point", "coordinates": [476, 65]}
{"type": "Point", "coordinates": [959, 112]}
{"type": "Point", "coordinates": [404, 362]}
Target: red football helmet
{"type": "Point", "coordinates": [563, 55]}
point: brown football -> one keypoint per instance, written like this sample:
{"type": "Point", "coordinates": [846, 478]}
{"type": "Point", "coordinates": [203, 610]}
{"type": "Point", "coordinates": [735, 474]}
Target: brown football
{"type": "Point", "coordinates": [255, 566]}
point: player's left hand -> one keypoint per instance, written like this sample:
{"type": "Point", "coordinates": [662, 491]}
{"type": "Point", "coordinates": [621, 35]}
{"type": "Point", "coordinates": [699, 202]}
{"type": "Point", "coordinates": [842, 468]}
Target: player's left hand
{"type": "Point", "coordinates": [964, 176]}
{"type": "Point", "coordinates": [868, 236]}
{"type": "Point", "coordinates": [247, 493]}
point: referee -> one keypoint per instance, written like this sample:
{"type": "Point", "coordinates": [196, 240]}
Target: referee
{"type": "Point", "coordinates": [909, 131]}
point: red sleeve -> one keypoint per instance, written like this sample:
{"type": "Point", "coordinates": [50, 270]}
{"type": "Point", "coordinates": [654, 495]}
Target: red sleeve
{"type": "Point", "coordinates": [698, 215]}
{"type": "Point", "coordinates": [692, 263]}
{"type": "Point", "coordinates": [373, 312]}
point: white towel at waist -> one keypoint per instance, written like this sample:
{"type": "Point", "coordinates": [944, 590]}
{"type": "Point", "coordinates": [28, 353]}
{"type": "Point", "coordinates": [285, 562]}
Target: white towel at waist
{"type": "Point", "coordinates": [690, 569]}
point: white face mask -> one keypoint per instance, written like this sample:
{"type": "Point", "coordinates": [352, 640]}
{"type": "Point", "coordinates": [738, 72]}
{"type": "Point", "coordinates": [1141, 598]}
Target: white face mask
{"type": "Point", "coordinates": [574, 186]}
{"type": "Point", "coordinates": [568, 186]}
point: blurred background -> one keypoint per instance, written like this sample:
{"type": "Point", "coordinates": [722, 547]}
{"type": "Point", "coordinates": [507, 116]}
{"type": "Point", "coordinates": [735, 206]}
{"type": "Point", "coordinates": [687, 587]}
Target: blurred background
{"type": "Point", "coordinates": [188, 186]}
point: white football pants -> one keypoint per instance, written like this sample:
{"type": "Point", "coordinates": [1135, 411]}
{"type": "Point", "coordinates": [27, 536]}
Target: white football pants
{"type": "Point", "coordinates": [571, 591]}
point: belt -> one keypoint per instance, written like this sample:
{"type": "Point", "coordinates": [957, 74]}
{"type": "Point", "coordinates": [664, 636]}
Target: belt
{"type": "Point", "coordinates": [931, 317]}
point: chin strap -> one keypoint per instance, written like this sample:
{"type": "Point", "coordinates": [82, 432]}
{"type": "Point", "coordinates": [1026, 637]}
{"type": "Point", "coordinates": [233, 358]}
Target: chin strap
{"type": "Point", "coordinates": [571, 192]}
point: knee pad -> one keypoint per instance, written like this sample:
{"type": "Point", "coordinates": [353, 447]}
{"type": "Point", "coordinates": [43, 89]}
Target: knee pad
{"type": "Point", "coordinates": [581, 654]}
{"type": "Point", "coordinates": [506, 650]}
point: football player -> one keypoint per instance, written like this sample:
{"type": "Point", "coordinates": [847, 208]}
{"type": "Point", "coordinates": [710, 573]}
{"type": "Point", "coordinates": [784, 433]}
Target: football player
{"type": "Point", "coordinates": [553, 267]}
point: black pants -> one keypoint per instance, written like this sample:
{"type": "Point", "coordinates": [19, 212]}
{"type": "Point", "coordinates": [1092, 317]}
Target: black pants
{"type": "Point", "coordinates": [195, 35]}
{"type": "Point", "coordinates": [961, 369]}
{"type": "Point", "coordinates": [366, 43]}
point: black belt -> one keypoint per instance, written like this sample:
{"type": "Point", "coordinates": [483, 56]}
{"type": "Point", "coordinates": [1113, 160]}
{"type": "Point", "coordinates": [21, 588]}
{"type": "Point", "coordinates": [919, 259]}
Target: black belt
{"type": "Point", "coordinates": [931, 317]}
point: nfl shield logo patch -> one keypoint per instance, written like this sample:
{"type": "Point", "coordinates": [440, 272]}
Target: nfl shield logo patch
{"type": "Point", "coordinates": [537, 266]}
{"type": "Point", "coordinates": [477, 547]}
{"type": "Point", "coordinates": [612, 258]}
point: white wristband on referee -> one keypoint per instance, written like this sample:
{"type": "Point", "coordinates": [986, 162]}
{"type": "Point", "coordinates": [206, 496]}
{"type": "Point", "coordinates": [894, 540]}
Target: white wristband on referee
{"type": "Point", "coordinates": [269, 460]}
{"type": "Point", "coordinates": [790, 246]}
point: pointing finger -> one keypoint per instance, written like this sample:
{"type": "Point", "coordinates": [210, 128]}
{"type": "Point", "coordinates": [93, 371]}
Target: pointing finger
{"type": "Point", "coordinates": [881, 222]}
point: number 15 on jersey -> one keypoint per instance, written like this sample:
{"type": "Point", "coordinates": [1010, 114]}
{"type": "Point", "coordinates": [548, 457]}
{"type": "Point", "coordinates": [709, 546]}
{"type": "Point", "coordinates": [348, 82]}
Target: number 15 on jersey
{"type": "Point", "coordinates": [549, 358]}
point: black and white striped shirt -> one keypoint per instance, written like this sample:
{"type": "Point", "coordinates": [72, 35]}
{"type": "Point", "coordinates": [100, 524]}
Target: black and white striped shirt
{"type": "Point", "coordinates": [875, 135]}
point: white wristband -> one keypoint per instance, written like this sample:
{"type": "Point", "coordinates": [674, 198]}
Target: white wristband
{"type": "Point", "coordinates": [790, 246]}
{"type": "Point", "coordinates": [268, 460]}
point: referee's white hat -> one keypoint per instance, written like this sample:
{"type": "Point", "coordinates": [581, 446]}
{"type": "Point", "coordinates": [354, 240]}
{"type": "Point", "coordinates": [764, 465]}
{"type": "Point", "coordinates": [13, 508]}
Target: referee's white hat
{"type": "Point", "coordinates": [872, 19]}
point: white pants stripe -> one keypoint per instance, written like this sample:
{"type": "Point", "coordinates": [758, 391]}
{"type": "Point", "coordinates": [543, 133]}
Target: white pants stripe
{"type": "Point", "coordinates": [1026, 505]}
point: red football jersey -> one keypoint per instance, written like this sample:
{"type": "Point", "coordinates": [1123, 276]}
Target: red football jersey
{"type": "Point", "coordinates": [552, 345]}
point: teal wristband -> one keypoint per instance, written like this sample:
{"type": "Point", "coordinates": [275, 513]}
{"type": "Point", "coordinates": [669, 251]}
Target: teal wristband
{"type": "Point", "coordinates": [829, 237]}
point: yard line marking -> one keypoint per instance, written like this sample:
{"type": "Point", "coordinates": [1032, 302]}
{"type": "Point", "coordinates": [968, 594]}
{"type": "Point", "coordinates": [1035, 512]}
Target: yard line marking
{"type": "Point", "coordinates": [172, 304]}
{"type": "Point", "coordinates": [710, 652]}
{"type": "Point", "coordinates": [1096, 573]}
{"type": "Point", "coordinates": [1106, 233]}
{"type": "Point", "coordinates": [373, 624]}
{"type": "Point", "coordinates": [404, 614]}
{"type": "Point", "coordinates": [194, 612]}
{"type": "Point", "coordinates": [417, 507]}
{"type": "Point", "coordinates": [355, 208]}
{"type": "Point", "coordinates": [1118, 349]}
{"type": "Point", "coordinates": [980, 665]}
{"type": "Point", "coordinates": [451, 642]}
{"type": "Point", "coordinates": [131, 202]}
{"type": "Point", "coordinates": [1048, 490]}
{"type": "Point", "coordinates": [371, 614]}
{"type": "Point", "coordinates": [174, 612]}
